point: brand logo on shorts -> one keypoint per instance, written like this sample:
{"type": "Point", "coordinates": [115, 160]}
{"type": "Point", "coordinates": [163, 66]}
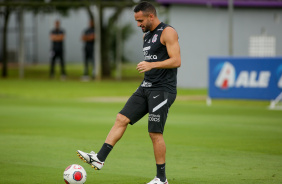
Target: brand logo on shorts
{"type": "Point", "coordinates": [156, 96]}
{"type": "Point", "coordinates": [154, 117]}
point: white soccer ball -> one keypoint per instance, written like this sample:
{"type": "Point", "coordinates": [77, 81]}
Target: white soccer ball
{"type": "Point", "coordinates": [75, 174]}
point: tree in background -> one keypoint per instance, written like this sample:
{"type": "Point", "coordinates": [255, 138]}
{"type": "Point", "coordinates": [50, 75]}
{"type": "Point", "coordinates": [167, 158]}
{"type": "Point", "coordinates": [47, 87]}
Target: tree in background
{"type": "Point", "coordinates": [6, 15]}
{"type": "Point", "coordinates": [63, 6]}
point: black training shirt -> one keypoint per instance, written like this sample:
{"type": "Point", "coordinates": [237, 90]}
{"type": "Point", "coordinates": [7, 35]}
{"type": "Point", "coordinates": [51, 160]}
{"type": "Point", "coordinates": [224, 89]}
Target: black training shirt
{"type": "Point", "coordinates": [89, 45]}
{"type": "Point", "coordinates": [57, 45]}
{"type": "Point", "coordinates": [154, 50]}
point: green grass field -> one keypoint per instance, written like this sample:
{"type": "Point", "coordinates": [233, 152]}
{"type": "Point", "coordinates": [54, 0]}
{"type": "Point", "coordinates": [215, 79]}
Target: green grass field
{"type": "Point", "coordinates": [43, 122]}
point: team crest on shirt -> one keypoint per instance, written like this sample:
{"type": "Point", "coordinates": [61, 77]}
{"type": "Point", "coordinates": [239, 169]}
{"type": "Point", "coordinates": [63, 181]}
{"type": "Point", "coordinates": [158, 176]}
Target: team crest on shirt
{"type": "Point", "coordinates": [154, 39]}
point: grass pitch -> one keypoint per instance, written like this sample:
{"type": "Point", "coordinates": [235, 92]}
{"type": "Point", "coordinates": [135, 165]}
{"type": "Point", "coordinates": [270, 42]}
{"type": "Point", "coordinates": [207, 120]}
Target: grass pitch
{"type": "Point", "coordinates": [43, 123]}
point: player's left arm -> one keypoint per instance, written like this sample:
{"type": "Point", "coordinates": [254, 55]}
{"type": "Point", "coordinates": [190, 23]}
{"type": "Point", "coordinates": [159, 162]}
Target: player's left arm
{"type": "Point", "coordinates": [169, 38]}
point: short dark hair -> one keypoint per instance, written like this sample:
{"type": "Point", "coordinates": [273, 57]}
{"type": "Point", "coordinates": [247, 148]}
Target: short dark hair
{"type": "Point", "coordinates": [146, 8]}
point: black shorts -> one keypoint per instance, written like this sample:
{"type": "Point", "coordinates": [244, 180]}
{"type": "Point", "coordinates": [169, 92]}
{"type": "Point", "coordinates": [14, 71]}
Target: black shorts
{"type": "Point", "coordinates": [156, 103]}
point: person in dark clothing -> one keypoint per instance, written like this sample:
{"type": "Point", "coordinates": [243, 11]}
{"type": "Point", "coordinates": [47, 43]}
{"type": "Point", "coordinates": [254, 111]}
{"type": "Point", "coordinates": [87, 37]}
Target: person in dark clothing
{"type": "Point", "coordinates": [57, 36]}
{"type": "Point", "coordinates": [88, 38]}
{"type": "Point", "coordinates": [154, 96]}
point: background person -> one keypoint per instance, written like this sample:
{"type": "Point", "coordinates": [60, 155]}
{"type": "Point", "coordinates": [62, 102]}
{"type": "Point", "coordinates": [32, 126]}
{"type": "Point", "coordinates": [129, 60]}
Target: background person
{"type": "Point", "coordinates": [88, 38]}
{"type": "Point", "coordinates": [57, 36]}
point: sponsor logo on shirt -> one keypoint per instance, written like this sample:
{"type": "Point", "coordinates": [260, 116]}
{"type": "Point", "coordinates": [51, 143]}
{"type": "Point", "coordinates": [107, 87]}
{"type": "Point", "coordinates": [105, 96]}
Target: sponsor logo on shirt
{"type": "Point", "coordinates": [146, 84]}
{"type": "Point", "coordinates": [147, 55]}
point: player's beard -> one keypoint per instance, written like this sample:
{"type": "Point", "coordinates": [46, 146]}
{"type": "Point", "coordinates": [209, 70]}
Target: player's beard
{"type": "Point", "coordinates": [147, 27]}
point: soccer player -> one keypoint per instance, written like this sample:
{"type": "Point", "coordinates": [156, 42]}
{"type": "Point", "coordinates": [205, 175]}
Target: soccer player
{"type": "Point", "coordinates": [57, 36]}
{"type": "Point", "coordinates": [156, 93]}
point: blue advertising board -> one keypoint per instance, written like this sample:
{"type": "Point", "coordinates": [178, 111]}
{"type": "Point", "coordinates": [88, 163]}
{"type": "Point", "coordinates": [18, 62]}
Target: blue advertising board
{"type": "Point", "coordinates": [245, 77]}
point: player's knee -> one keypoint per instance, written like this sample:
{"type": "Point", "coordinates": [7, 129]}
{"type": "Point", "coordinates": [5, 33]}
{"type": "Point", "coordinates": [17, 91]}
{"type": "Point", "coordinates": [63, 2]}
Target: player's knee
{"type": "Point", "coordinates": [122, 120]}
{"type": "Point", "coordinates": [155, 136]}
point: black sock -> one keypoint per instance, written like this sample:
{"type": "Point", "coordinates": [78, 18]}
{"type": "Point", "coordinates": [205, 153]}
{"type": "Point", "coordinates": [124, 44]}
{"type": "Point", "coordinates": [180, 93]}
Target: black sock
{"type": "Point", "coordinates": [104, 151]}
{"type": "Point", "coordinates": [161, 172]}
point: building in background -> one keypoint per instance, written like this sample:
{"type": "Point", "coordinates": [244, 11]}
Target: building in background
{"type": "Point", "coordinates": [203, 28]}
{"type": "Point", "coordinates": [202, 25]}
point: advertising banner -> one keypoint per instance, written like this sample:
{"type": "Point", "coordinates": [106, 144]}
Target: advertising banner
{"type": "Point", "coordinates": [245, 78]}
